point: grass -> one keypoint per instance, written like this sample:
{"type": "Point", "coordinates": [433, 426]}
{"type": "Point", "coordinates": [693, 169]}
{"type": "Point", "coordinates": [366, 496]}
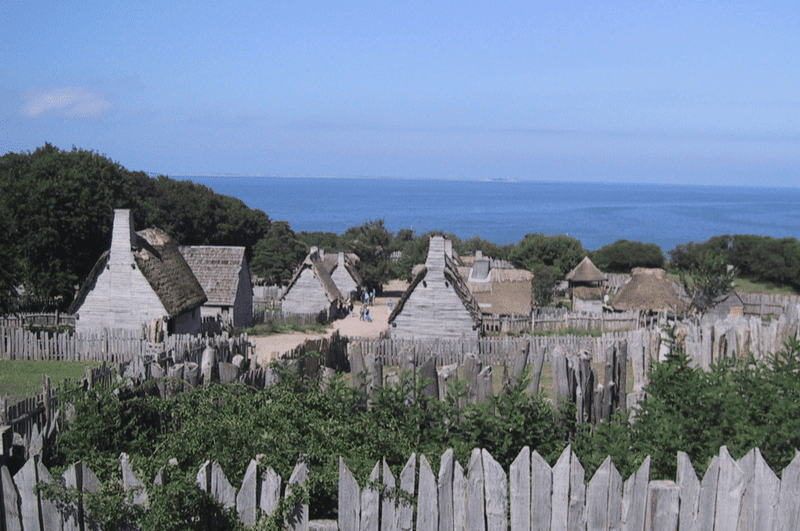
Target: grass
{"type": "Point", "coordinates": [745, 285]}
{"type": "Point", "coordinates": [21, 379]}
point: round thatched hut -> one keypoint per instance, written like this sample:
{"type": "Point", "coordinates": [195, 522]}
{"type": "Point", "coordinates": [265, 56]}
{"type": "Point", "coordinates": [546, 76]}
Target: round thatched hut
{"type": "Point", "coordinates": [648, 290]}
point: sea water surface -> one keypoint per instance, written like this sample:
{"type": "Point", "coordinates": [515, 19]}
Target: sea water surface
{"type": "Point", "coordinates": [503, 212]}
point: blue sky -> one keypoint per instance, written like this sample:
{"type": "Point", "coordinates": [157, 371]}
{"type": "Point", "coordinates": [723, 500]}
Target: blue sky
{"type": "Point", "coordinates": [665, 92]}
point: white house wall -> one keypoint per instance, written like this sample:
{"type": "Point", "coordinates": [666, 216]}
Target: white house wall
{"type": "Point", "coordinates": [434, 311]}
{"type": "Point", "coordinates": [306, 295]}
{"type": "Point", "coordinates": [343, 281]}
{"type": "Point", "coordinates": [121, 299]}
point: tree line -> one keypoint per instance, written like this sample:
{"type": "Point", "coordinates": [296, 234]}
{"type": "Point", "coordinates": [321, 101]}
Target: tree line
{"type": "Point", "coordinates": [56, 215]}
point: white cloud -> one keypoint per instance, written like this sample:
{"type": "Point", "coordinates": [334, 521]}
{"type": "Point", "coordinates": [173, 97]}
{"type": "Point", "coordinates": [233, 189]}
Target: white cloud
{"type": "Point", "coordinates": [69, 102]}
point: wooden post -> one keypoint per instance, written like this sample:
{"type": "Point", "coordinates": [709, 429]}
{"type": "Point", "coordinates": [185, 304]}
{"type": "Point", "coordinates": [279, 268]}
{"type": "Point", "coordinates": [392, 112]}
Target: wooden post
{"type": "Point", "coordinates": [48, 413]}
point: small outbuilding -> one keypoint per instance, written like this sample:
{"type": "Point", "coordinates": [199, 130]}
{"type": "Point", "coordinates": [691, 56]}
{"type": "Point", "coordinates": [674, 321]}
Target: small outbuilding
{"type": "Point", "coordinates": [141, 278]}
{"type": "Point", "coordinates": [225, 278]}
{"type": "Point", "coordinates": [587, 284]}
{"type": "Point", "coordinates": [498, 286]}
{"type": "Point", "coordinates": [311, 290]}
{"type": "Point", "coordinates": [437, 303]}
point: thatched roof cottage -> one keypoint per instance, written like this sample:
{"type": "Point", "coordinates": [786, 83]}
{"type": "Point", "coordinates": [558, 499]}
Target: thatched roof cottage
{"type": "Point", "coordinates": [224, 276]}
{"type": "Point", "coordinates": [437, 303]}
{"type": "Point", "coordinates": [499, 288]}
{"type": "Point", "coordinates": [587, 284]}
{"type": "Point", "coordinates": [142, 277]}
{"type": "Point", "coordinates": [311, 289]}
{"type": "Point", "coordinates": [648, 290]}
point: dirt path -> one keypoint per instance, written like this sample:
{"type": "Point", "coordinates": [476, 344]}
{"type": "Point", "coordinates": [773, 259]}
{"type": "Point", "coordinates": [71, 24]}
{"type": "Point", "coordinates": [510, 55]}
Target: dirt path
{"type": "Point", "coordinates": [271, 347]}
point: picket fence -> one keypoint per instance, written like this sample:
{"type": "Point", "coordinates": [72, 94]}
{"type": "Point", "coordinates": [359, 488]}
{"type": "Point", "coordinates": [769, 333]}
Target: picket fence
{"type": "Point", "coordinates": [741, 495]}
{"type": "Point", "coordinates": [505, 324]}
{"type": "Point", "coordinates": [24, 508]}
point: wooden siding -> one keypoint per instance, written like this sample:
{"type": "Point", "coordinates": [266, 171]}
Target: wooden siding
{"type": "Point", "coordinates": [434, 310]}
{"type": "Point", "coordinates": [306, 295]}
{"type": "Point", "coordinates": [343, 280]}
{"type": "Point", "coordinates": [121, 299]}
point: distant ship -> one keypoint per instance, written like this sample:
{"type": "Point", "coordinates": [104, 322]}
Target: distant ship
{"type": "Point", "coordinates": [499, 180]}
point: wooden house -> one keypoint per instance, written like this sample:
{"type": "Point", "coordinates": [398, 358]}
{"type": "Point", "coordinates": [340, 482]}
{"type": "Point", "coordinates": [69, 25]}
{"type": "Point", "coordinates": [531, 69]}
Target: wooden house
{"type": "Point", "coordinates": [587, 284]}
{"type": "Point", "coordinates": [225, 278]}
{"type": "Point", "coordinates": [141, 278]}
{"type": "Point", "coordinates": [437, 303]}
{"type": "Point", "coordinates": [312, 290]}
{"type": "Point", "coordinates": [342, 269]}
{"type": "Point", "coordinates": [497, 285]}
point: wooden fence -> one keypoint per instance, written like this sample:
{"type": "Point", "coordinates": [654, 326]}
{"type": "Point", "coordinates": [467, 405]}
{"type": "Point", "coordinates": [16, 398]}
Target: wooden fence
{"type": "Point", "coordinates": [264, 315]}
{"type": "Point", "coordinates": [764, 304]}
{"type": "Point", "coordinates": [110, 346]}
{"type": "Point", "coordinates": [505, 324]}
{"type": "Point", "coordinates": [28, 320]}
{"type": "Point", "coordinates": [743, 495]}
{"type": "Point", "coordinates": [544, 318]}
{"type": "Point", "coordinates": [257, 498]}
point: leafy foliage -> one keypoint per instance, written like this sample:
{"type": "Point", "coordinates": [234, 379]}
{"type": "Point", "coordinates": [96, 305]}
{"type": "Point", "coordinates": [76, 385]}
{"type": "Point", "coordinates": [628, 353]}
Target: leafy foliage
{"type": "Point", "coordinates": [276, 256]}
{"type": "Point", "coordinates": [57, 210]}
{"type": "Point", "coordinates": [741, 403]}
{"type": "Point", "coordinates": [623, 255]}
{"type": "Point", "coordinates": [370, 241]}
{"type": "Point", "coordinates": [708, 279]}
{"type": "Point", "coordinates": [543, 286]}
{"type": "Point", "coordinates": [560, 253]}
{"type": "Point", "coordinates": [758, 258]}
{"type": "Point", "coordinates": [232, 424]}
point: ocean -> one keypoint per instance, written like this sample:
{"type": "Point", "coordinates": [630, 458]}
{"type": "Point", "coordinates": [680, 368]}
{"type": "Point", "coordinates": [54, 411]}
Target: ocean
{"type": "Point", "coordinates": [503, 212]}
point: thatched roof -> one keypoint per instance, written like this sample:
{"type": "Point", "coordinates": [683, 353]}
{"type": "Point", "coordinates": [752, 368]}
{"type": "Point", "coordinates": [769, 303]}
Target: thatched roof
{"type": "Point", "coordinates": [588, 293]}
{"type": "Point", "coordinates": [218, 269]}
{"type": "Point", "coordinates": [586, 271]}
{"type": "Point", "coordinates": [648, 290]}
{"type": "Point", "coordinates": [317, 265]}
{"type": "Point", "coordinates": [167, 272]}
{"type": "Point", "coordinates": [163, 267]}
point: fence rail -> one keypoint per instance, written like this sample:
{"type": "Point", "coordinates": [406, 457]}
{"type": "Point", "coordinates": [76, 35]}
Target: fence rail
{"type": "Point", "coordinates": [562, 319]}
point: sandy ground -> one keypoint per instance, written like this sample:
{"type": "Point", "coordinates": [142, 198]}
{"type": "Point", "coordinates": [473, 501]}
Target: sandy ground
{"type": "Point", "coordinates": [271, 347]}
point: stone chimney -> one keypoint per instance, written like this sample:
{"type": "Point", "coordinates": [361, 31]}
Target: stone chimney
{"type": "Point", "coordinates": [314, 252]}
{"type": "Point", "coordinates": [123, 237]}
{"type": "Point", "coordinates": [478, 254]}
{"type": "Point", "coordinates": [340, 260]}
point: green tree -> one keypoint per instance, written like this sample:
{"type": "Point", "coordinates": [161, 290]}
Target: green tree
{"type": "Point", "coordinates": [371, 241]}
{"type": "Point", "coordinates": [543, 287]}
{"type": "Point", "coordinates": [707, 280]}
{"type": "Point", "coordinates": [560, 253]}
{"type": "Point", "coordinates": [276, 256]}
{"type": "Point", "coordinates": [623, 255]}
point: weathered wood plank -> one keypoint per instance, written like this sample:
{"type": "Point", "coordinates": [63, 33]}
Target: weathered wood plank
{"type": "Point", "coordinates": [520, 488]}
{"type": "Point", "coordinates": [541, 493]}
{"type": "Point", "coordinates": [476, 512]}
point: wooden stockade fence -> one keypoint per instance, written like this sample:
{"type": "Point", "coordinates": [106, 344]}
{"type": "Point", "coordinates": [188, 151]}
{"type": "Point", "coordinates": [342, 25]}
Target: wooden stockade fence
{"type": "Point", "coordinates": [257, 498]}
{"type": "Point", "coordinates": [544, 318]}
{"type": "Point", "coordinates": [764, 304]}
{"type": "Point", "coordinates": [505, 324]}
{"type": "Point", "coordinates": [22, 320]}
{"type": "Point", "coordinates": [743, 495]}
{"type": "Point", "coordinates": [111, 346]}
{"type": "Point", "coordinates": [265, 315]}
